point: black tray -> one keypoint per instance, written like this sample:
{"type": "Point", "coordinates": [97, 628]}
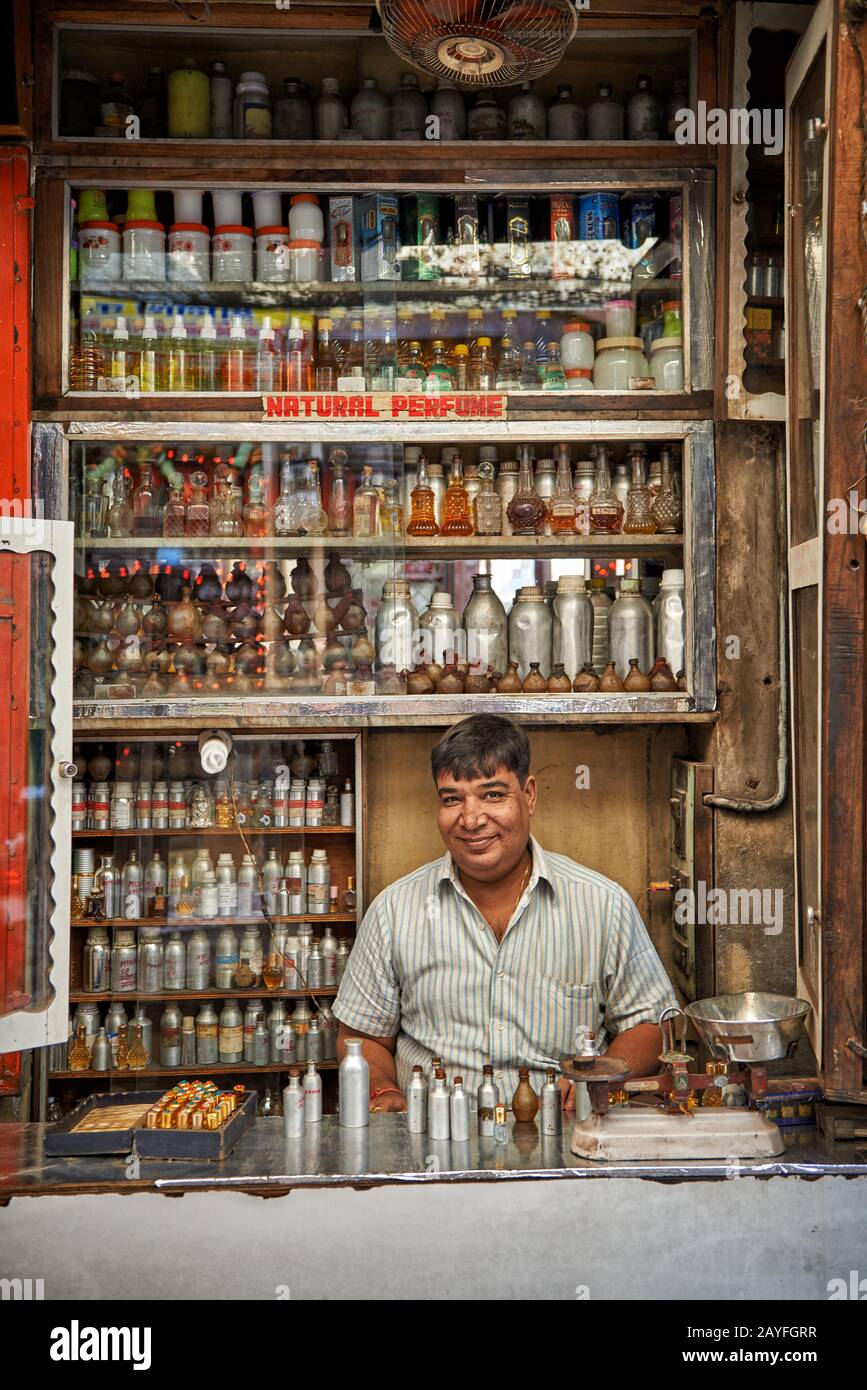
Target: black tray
{"type": "Point", "coordinates": [60, 1139]}
{"type": "Point", "coordinates": [147, 1143]}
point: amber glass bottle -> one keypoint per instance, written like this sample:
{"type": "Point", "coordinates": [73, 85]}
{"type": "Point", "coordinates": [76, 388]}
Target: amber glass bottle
{"type": "Point", "coordinates": [457, 520]}
{"type": "Point", "coordinates": [422, 521]}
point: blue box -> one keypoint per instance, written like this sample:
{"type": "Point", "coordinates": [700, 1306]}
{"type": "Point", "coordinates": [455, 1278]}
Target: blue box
{"type": "Point", "coordinates": [599, 217]}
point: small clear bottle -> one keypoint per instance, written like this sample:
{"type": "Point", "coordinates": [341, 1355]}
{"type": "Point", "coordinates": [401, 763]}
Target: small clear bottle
{"type": "Point", "coordinates": [606, 509]}
{"type": "Point", "coordinates": [206, 357]}
{"type": "Point", "coordinates": [178, 359]}
{"type": "Point", "coordinates": [365, 506]}
{"type": "Point", "coordinates": [483, 374]}
{"type": "Point", "coordinates": [339, 505]}
{"type": "Point", "coordinates": [529, 379]}
{"type": "Point", "coordinates": [267, 363]}
{"type": "Point", "coordinates": [553, 376]}
{"type": "Point", "coordinates": [236, 360]}
{"type": "Point", "coordinates": [638, 517]}
{"type": "Point", "coordinates": [197, 517]}
{"type": "Point", "coordinates": [487, 507]}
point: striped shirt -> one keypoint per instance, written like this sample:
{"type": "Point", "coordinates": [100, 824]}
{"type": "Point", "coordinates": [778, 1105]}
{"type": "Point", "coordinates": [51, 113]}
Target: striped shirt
{"type": "Point", "coordinates": [427, 967]}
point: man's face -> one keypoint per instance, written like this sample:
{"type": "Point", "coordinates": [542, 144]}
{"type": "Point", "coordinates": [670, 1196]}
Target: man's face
{"type": "Point", "coordinates": [485, 822]}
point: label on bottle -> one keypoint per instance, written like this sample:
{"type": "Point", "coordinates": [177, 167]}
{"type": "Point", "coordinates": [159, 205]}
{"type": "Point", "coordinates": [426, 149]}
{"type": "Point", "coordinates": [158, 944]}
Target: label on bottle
{"type": "Point", "coordinates": [317, 897]}
{"type": "Point", "coordinates": [125, 973]}
{"type": "Point", "coordinates": [408, 385]}
{"type": "Point", "coordinates": [351, 384]}
{"type": "Point", "coordinates": [641, 383]}
{"type": "Point", "coordinates": [227, 899]}
{"type": "Point", "coordinates": [256, 120]}
{"type": "Point", "coordinates": [232, 1039]}
{"type": "Point", "coordinates": [206, 1030]}
{"type": "Point", "coordinates": [132, 904]}
{"type": "Point", "coordinates": [245, 900]}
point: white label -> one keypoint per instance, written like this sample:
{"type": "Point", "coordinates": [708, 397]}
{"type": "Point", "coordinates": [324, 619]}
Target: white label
{"type": "Point", "coordinates": [352, 384]}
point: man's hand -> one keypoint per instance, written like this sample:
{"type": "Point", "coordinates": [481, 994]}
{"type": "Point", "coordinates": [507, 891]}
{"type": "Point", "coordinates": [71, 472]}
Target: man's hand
{"type": "Point", "coordinates": [567, 1092]}
{"type": "Point", "coordinates": [391, 1101]}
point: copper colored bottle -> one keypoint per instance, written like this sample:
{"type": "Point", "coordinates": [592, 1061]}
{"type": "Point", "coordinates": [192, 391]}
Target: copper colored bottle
{"type": "Point", "coordinates": [609, 680]}
{"type": "Point", "coordinates": [525, 1102]}
{"type": "Point", "coordinates": [526, 510]}
{"type": "Point", "coordinates": [636, 679]}
{"type": "Point", "coordinates": [477, 682]}
{"type": "Point", "coordinates": [606, 509]}
{"type": "Point", "coordinates": [451, 682]}
{"type": "Point", "coordinates": [534, 682]}
{"type": "Point", "coordinates": [662, 676]}
{"type": "Point", "coordinates": [510, 683]}
{"type": "Point", "coordinates": [586, 680]}
{"type": "Point", "coordinates": [558, 682]}
{"type": "Point", "coordinates": [681, 680]}
{"type": "Point", "coordinates": [457, 519]}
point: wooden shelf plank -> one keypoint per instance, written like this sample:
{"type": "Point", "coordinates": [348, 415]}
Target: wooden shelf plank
{"type": "Point", "coordinates": [79, 997]}
{"type": "Point", "coordinates": [209, 1069]}
{"type": "Point", "coordinates": [177, 923]}
{"type": "Point", "coordinates": [384, 548]}
{"type": "Point", "coordinates": [222, 831]}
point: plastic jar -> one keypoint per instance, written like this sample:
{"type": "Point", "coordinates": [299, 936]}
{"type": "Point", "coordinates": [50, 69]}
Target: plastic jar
{"type": "Point", "coordinates": [617, 361]}
{"type": "Point", "coordinates": [305, 218]}
{"type": "Point", "coordinates": [189, 252]}
{"type": "Point", "coordinates": [272, 255]}
{"type": "Point", "coordinates": [577, 348]}
{"type": "Point", "coordinates": [579, 379]}
{"type": "Point", "coordinates": [304, 259]}
{"type": "Point", "coordinates": [666, 363]}
{"type": "Point", "coordinates": [252, 107]}
{"type": "Point", "coordinates": [619, 318]}
{"type": "Point", "coordinates": [672, 325]}
{"type": "Point", "coordinates": [144, 251]}
{"type": "Point", "coordinates": [99, 252]}
{"type": "Point", "coordinates": [232, 254]}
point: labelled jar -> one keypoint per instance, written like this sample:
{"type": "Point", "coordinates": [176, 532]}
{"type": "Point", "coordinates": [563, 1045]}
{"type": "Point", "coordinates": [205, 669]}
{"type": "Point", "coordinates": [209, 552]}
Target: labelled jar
{"type": "Point", "coordinates": [619, 318]}
{"type": "Point", "coordinates": [618, 362]}
{"type": "Point", "coordinates": [100, 258]}
{"type": "Point", "coordinates": [666, 363]}
{"type": "Point", "coordinates": [189, 255]}
{"type": "Point", "coordinates": [272, 255]}
{"type": "Point", "coordinates": [232, 254]}
{"type": "Point", "coordinates": [144, 250]}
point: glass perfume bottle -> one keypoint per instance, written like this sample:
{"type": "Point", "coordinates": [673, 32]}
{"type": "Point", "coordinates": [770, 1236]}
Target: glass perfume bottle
{"type": "Point", "coordinates": [529, 368]}
{"type": "Point", "coordinates": [313, 518]}
{"type": "Point", "coordinates": [638, 518]}
{"type": "Point", "coordinates": [120, 517]}
{"type": "Point", "coordinates": [439, 371]}
{"type": "Point", "coordinates": [285, 508]}
{"type": "Point", "coordinates": [391, 509]}
{"type": "Point", "coordinates": [487, 507]}
{"type": "Point", "coordinates": [456, 511]}
{"type": "Point", "coordinates": [144, 503]}
{"type": "Point", "coordinates": [526, 510]}
{"type": "Point", "coordinates": [667, 508]}
{"type": "Point", "coordinates": [365, 506]}
{"type": "Point", "coordinates": [422, 521]}
{"type": "Point", "coordinates": [413, 369]}
{"type": "Point", "coordinates": [207, 357]}
{"type": "Point", "coordinates": [483, 373]}
{"type": "Point", "coordinates": [257, 513]}
{"type": "Point", "coordinates": [236, 358]}
{"type": "Point", "coordinates": [553, 376]}
{"type": "Point", "coordinates": [178, 359]}
{"type": "Point", "coordinates": [509, 364]}
{"type": "Point", "coordinates": [325, 370]}
{"type": "Point", "coordinates": [339, 508]}
{"type": "Point", "coordinates": [197, 520]}
{"type": "Point", "coordinates": [561, 508]}
{"type": "Point", "coordinates": [174, 512]}
{"type": "Point", "coordinates": [606, 510]}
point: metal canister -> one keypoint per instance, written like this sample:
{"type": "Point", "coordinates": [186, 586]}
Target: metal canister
{"type": "Point", "coordinates": [291, 978]}
{"type": "Point", "coordinates": [670, 619]}
{"type": "Point", "coordinates": [140, 1019]}
{"type": "Point", "coordinates": [444, 631]}
{"type": "Point", "coordinates": [397, 624]}
{"type": "Point", "coordinates": [755, 277]}
{"type": "Point", "coordinates": [328, 1023]}
{"type": "Point", "coordinates": [151, 958]}
{"type": "Point", "coordinates": [207, 1035]}
{"type": "Point", "coordinates": [198, 966]}
{"type": "Point", "coordinates": [177, 806]}
{"type": "Point", "coordinates": [277, 1031]}
{"type": "Point", "coordinates": [250, 950]}
{"type": "Point", "coordinates": [231, 1033]}
{"type": "Point", "coordinates": [87, 1016]}
{"type": "Point", "coordinates": [293, 1106]}
{"type": "Point", "coordinates": [227, 886]}
{"type": "Point", "coordinates": [312, 1095]}
{"type": "Point", "coordinates": [505, 487]}
{"type": "Point", "coordinates": [248, 887]}
{"type": "Point", "coordinates": [314, 801]}
{"type": "Point", "coordinates": [296, 876]}
{"type": "Point", "coordinates": [342, 957]}
{"type": "Point", "coordinates": [175, 966]}
{"type": "Point", "coordinates": [160, 806]}
{"type": "Point", "coordinates": [573, 624]}
{"type": "Point", "coordinates": [552, 1104]}
{"type": "Point", "coordinates": [459, 1108]}
{"type": "Point", "coordinates": [315, 1049]}
{"type": "Point", "coordinates": [439, 1108]}
{"type": "Point", "coordinates": [101, 1058]}
{"type": "Point", "coordinates": [124, 962]}
{"type": "Point", "coordinates": [297, 801]}
{"type": "Point", "coordinates": [416, 1102]}
{"type": "Point", "coordinates": [144, 805]}
{"type": "Point", "coordinates": [488, 1098]}
{"type": "Point", "coordinates": [83, 866]}
{"type": "Point", "coordinates": [771, 278]}
{"type": "Point", "coordinates": [251, 1018]}
{"type": "Point", "coordinates": [630, 628]}
{"type": "Point", "coordinates": [315, 968]}
{"type": "Point", "coordinates": [318, 882]}
{"type": "Point", "coordinates": [301, 1027]}
{"type": "Point", "coordinates": [328, 947]}
{"type": "Point", "coordinates": [225, 958]}
{"type": "Point", "coordinates": [530, 630]}
{"type": "Point", "coordinates": [122, 808]}
{"type": "Point", "coordinates": [99, 806]}
{"type": "Point", "coordinates": [132, 888]}
{"type": "Point", "coordinates": [170, 1036]}
{"type": "Point", "coordinates": [79, 806]}
{"type": "Point", "coordinates": [97, 961]}
{"type": "Point", "coordinates": [261, 1043]}
{"type": "Point", "coordinates": [281, 800]}
{"type": "Point", "coordinates": [601, 605]}
{"type": "Point", "coordinates": [354, 1087]}
{"type": "Point", "coordinates": [107, 881]}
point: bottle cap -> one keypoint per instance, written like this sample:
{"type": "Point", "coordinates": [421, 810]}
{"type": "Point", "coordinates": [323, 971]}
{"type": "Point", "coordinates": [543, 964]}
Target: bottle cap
{"type": "Point", "coordinates": [483, 342]}
{"type": "Point", "coordinates": [671, 578]}
{"type": "Point", "coordinates": [630, 586]}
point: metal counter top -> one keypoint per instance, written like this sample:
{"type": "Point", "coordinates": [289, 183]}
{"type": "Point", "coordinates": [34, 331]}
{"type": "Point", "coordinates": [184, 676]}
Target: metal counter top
{"type": "Point", "coordinates": [384, 1154]}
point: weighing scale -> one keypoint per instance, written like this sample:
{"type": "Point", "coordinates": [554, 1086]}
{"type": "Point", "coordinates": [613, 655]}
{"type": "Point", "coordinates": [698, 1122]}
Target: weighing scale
{"type": "Point", "coordinates": [675, 1115]}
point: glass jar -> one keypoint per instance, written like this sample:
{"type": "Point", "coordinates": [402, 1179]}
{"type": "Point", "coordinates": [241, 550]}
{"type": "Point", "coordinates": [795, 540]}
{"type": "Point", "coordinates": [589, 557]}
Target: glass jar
{"type": "Point", "coordinates": [487, 120]}
{"type": "Point", "coordinates": [189, 257]}
{"type": "Point", "coordinates": [618, 361]}
{"type": "Point", "coordinates": [305, 218]}
{"type": "Point", "coordinates": [619, 318]}
{"type": "Point", "coordinates": [272, 255]}
{"type": "Point", "coordinates": [144, 251]}
{"type": "Point", "coordinates": [672, 324]}
{"type": "Point", "coordinates": [666, 363]}
{"type": "Point", "coordinates": [304, 259]}
{"type": "Point", "coordinates": [577, 348]}
{"type": "Point", "coordinates": [99, 253]}
{"type": "Point", "coordinates": [579, 379]}
{"type": "Point", "coordinates": [293, 113]}
{"type": "Point", "coordinates": [232, 249]}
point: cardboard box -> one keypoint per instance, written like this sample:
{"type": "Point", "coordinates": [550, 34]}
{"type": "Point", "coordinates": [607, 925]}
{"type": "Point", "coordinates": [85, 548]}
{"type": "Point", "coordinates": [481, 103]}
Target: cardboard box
{"type": "Point", "coordinates": [421, 229]}
{"type": "Point", "coordinates": [343, 238]}
{"type": "Point", "coordinates": [380, 237]}
{"type": "Point", "coordinates": [467, 233]}
{"type": "Point", "coordinates": [599, 217]}
{"type": "Point", "coordinates": [518, 233]}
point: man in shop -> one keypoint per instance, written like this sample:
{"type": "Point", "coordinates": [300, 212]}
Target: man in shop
{"type": "Point", "coordinates": [499, 951]}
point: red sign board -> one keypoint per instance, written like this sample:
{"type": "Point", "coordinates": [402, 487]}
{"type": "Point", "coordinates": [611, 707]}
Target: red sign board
{"type": "Point", "coordinates": [327, 405]}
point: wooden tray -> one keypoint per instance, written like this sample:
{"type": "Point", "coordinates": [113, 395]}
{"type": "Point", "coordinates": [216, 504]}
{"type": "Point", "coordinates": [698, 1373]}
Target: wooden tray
{"type": "Point", "coordinates": [62, 1138]}
{"type": "Point", "coordinates": [130, 1135]}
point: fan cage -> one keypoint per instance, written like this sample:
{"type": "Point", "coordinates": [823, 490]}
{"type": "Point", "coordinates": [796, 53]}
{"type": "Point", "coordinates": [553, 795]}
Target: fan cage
{"type": "Point", "coordinates": [480, 43]}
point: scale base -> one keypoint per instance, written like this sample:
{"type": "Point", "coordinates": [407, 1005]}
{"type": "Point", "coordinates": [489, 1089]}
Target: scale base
{"type": "Point", "coordinates": [626, 1133]}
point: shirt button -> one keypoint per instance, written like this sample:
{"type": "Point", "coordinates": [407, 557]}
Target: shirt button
{"type": "Point", "coordinates": [500, 974]}
{"type": "Point", "coordinates": [499, 1027]}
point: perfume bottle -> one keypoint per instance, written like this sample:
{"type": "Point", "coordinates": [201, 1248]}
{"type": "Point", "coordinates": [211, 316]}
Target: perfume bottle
{"type": "Point", "coordinates": [526, 510]}
{"type": "Point", "coordinates": [257, 514]}
{"type": "Point", "coordinates": [553, 376]}
{"type": "Point", "coordinates": [487, 507]}
{"type": "Point", "coordinates": [286, 506]}
{"type": "Point", "coordinates": [365, 506]}
{"type": "Point", "coordinates": [236, 358]}
{"type": "Point", "coordinates": [606, 510]}
{"type": "Point", "coordinates": [638, 519]}
{"type": "Point", "coordinates": [422, 521]}
{"type": "Point", "coordinates": [456, 513]}
{"type": "Point", "coordinates": [667, 509]}
{"type": "Point", "coordinates": [529, 368]}
{"type": "Point", "coordinates": [325, 371]}
{"type": "Point", "coordinates": [391, 509]}
{"type": "Point", "coordinates": [313, 518]}
{"type": "Point", "coordinates": [339, 508]}
{"type": "Point", "coordinates": [120, 517]}
{"type": "Point", "coordinates": [439, 371]}
{"type": "Point", "coordinates": [144, 503]}
{"type": "Point", "coordinates": [197, 520]}
{"type": "Point", "coordinates": [509, 364]}
{"type": "Point", "coordinates": [413, 368]}
{"type": "Point", "coordinates": [561, 508]}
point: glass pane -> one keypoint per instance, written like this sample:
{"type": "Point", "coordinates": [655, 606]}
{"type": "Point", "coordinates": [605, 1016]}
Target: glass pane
{"type": "Point", "coordinates": [806, 713]}
{"type": "Point", "coordinates": [806, 343]}
{"type": "Point", "coordinates": [26, 647]}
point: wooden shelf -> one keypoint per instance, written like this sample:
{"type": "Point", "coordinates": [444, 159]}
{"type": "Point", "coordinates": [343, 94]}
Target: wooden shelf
{"type": "Point", "coordinates": [181, 923]}
{"type": "Point", "coordinates": [218, 831]}
{"type": "Point", "coordinates": [209, 1069]}
{"type": "Point", "coordinates": [397, 548]}
{"type": "Point", "coordinates": [79, 997]}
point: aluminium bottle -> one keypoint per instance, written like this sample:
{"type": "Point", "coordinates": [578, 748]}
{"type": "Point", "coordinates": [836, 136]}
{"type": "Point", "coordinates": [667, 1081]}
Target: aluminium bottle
{"type": "Point", "coordinates": [370, 111]}
{"type": "Point", "coordinates": [124, 961]}
{"type": "Point", "coordinates": [439, 1108]}
{"type": "Point", "coordinates": [408, 109]}
{"type": "Point", "coordinates": [141, 1020]}
{"type": "Point", "coordinates": [175, 966]}
{"type": "Point", "coordinates": [573, 624]}
{"type": "Point", "coordinates": [441, 622]}
{"type": "Point", "coordinates": [101, 1058]}
{"type": "Point", "coordinates": [552, 1105]}
{"type": "Point", "coordinates": [488, 1098]}
{"type": "Point", "coordinates": [448, 104]}
{"type": "Point", "coordinates": [486, 627]}
{"type": "Point", "coordinates": [630, 629]}
{"type": "Point", "coordinates": [225, 958]}
{"type": "Point", "coordinates": [151, 960]}
{"type": "Point", "coordinates": [231, 1033]}
{"type": "Point", "coordinates": [260, 1042]}
{"type": "Point", "coordinates": [328, 1024]}
{"type": "Point", "coordinates": [198, 960]}
{"type": "Point", "coordinates": [670, 618]}
{"type": "Point", "coordinates": [314, 1040]}
{"type": "Point", "coordinates": [354, 1087]}
{"type": "Point", "coordinates": [207, 1035]}
{"type": "Point", "coordinates": [312, 1095]}
{"type": "Point", "coordinates": [645, 119]}
{"type": "Point", "coordinates": [601, 605]}
{"type": "Point", "coordinates": [459, 1110]}
{"type": "Point", "coordinates": [97, 961]}
{"type": "Point", "coordinates": [565, 117]}
{"type": "Point", "coordinates": [416, 1102]}
{"type": "Point", "coordinates": [170, 1036]}
{"type": "Point", "coordinates": [531, 625]}
{"type": "Point", "coordinates": [293, 1106]}
{"type": "Point", "coordinates": [318, 882]}
{"type": "Point", "coordinates": [397, 622]}
{"type": "Point", "coordinates": [248, 888]}
{"type": "Point", "coordinates": [131, 888]}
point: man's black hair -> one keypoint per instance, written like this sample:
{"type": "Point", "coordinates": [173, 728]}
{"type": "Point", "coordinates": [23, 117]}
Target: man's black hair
{"type": "Point", "coordinates": [478, 746]}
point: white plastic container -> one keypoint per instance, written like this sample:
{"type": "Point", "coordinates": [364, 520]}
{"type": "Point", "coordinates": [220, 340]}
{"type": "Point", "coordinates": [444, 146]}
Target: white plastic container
{"type": "Point", "coordinates": [144, 251]}
{"type": "Point", "coordinates": [618, 360]}
{"type": "Point", "coordinates": [267, 211]}
{"type": "Point", "coordinates": [577, 348]}
{"type": "Point", "coordinates": [579, 379]}
{"type": "Point", "coordinates": [305, 218]}
{"type": "Point", "coordinates": [619, 318]}
{"type": "Point", "coordinates": [188, 204]}
{"type": "Point", "coordinates": [100, 259]}
{"type": "Point", "coordinates": [272, 255]}
{"type": "Point", "coordinates": [227, 208]}
{"type": "Point", "coordinates": [304, 260]}
{"type": "Point", "coordinates": [232, 254]}
{"type": "Point", "coordinates": [189, 257]}
{"type": "Point", "coordinates": [252, 107]}
{"type": "Point", "coordinates": [666, 363]}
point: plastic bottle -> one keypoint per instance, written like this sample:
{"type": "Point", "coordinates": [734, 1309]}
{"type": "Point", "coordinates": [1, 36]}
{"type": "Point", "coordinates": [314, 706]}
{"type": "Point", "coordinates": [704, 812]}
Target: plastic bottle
{"type": "Point", "coordinates": [236, 362]}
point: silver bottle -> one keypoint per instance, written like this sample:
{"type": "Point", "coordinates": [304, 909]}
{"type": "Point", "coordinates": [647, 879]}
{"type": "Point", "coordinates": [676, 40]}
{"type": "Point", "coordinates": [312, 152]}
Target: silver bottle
{"type": "Point", "coordinates": [207, 1035]}
{"type": "Point", "coordinates": [272, 872]}
{"type": "Point", "coordinates": [670, 619]}
{"type": "Point", "coordinates": [222, 124]}
{"type": "Point", "coordinates": [170, 1036]}
{"type": "Point", "coordinates": [370, 111]}
{"type": "Point", "coordinates": [531, 625]}
{"type": "Point", "coordinates": [644, 114]}
{"type": "Point", "coordinates": [416, 1102]}
{"type": "Point", "coordinates": [318, 882]}
{"type": "Point", "coordinates": [573, 624]}
{"type": "Point", "coordinates": [248, 888]}
{"type": "Point", "coordinates": [606, 118]}
{"type": "Point", "coordinates": [124, 962]}
{"type": "Point", "coordinates": [343, 951]}
{"type": "Point", "coordinates": [330, 115]}
{"type": "Point", "coordinates": [293, 1106]}
{"type": "Point", "coordinates": [487, 119]}
{"type": "Point", "coordinates": [486, 627]}
{"type": "Point", "coordinates": [227, 886]}
{"type": "Point", "coordinates": [329, 1033]}
{"type": "Point", "coordinates": [397, 623]}
{"type": "Point", "coordinates": [315, 1041]}
{"type": "Point", "coordinates": [88, 1015]}
{"type": "Point", "coordinates": [354, 1087]}
{"type": "Point", "coordinates": [448, 105]}
{"type": "Point", "coordinates": [141, 1020]}
{"type": "Point", "coordinates": [459, 1111]}
{"type": "Point", "coordinates": [101, 1054]}
{"type": "Point", "coordinates": [601, 605]}
{"type": "Point", "coordinates": [505, 487]}
{"type": "Point", "coordinates": [312, 1095]}
{"type": "Point", "coordinates": [160, 806]}
{"type": "Point", "coordinates": [188, 1041]}
{"type": "Point", "coordinates": [291, 978]}
{"type": "Point", "coordinates": [231, 1033]}
{"type": "Point", "coordinates": [97, 961]}
{"type": "Point", "coordinates": [251, 1016]}
{"type": "Point", "coordinates": [250, 950]}
{"type": "Point", "coordinates": [526, 114]}
{"type": "Point", "coordinates": [293, 113]}
{"type": "Point", "coordinates": [408, 109]}
{"type": "Point", "coordinates": [209, 896]}
{"type": "Point", "coordinates": [131, 888]}
{"type": "Point", "coordinates": [276, 1030]}
{"type": "Point", "coordinates": [175, 967]}
{"type": "Point", "coordinates": [115, 1019]}
{"type": "Point", "coordinates": [566, 119]}
{"type": "Point", "coordinates": [621, 483]}
{"type": "Point", "coordinates": [225, 958]}
{"type": "Point", "coordinates": [107, 881]}
{"type": "Point", "coordinates": [156, 882]}
{"type": "Point", "coordinates": [296, 874]}
{"type": "Point", "coordinates": [301, 1026]}
{"type": "Point", "coordinates": [198, 969]}
{"type": "Point", "coordinates": [151, 960]}
{"type": "Point", "coordinates": [442, 625]}
{"type": "Point", "coordinates": [630, 628]}
{"type": "Point", "coordinates": [439, 1108]}
{"type": "Point", "coordinates": [545, 484]}
{"type": "Point", "coordinates": [316, 968]}
{"type": "Point", "coordinates": [488, 1098]}
{"type": "Point", "coordinates": [261, 1043]}
{"type": "Point", "coordinates": [552, 1105]}
{"type": "Point", "coordinates": [328, 947]}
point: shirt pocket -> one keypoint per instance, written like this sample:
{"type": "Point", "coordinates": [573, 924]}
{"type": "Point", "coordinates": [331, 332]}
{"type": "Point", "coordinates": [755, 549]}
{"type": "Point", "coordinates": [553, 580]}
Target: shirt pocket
{"type": "Point", "coordinates": [562, 1008]}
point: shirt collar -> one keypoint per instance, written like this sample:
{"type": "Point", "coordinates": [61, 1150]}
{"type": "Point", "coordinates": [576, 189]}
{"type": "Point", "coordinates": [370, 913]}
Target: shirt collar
{"type": "Point", "coordinates": [447, 869]}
